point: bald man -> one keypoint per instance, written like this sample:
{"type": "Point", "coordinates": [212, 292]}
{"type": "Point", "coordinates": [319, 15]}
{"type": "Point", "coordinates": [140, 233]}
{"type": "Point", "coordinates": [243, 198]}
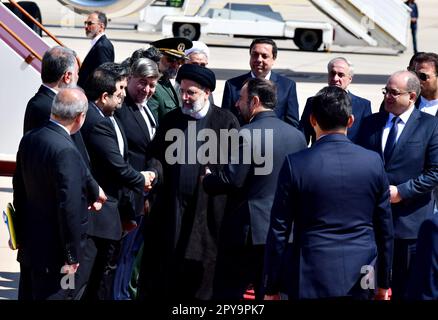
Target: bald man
{"type": "Point", "coordinates": [407, 140]}
{"type": "Point", "coordinates": [50, 201]}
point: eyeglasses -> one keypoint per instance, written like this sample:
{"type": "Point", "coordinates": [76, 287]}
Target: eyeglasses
{"type": "Point", "coordinates": [423, 76]}
{"type": "Point", "coordinates": [394, 93]}
{"type": "Point", "coordinates": [89, 23]}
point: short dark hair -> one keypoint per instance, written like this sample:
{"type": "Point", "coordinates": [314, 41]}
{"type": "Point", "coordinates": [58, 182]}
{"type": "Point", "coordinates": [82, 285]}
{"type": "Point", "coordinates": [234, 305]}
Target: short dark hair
{"type": "Point", "coordinates": [413, 60]}
{"type": "Point", "coordinates": [428, 57]}
{"type": "Point", "coordinates": [101, 16]}
{"type": "Point", "coordinates": [266, 90]}
{"type": "Point", "coordinates": [122, 71]}
{"type": "Point", "coordinates": [331, 108]}
{"type": "Point", "coordinates": [265, 41]}
{"type": "Point", "coordinates": [151, 53]}
{"type": "Point", "coordinates": [103, 79]}
{"type": "Point", "coordinates": [57, 61]}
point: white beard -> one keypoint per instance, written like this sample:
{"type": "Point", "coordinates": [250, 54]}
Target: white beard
{"type": "Point", "coordinates": [197, 106]}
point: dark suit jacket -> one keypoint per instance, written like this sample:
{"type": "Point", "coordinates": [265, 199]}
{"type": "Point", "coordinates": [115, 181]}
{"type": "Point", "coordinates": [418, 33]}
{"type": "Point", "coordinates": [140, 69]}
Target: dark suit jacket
{"type": "Point", "coordinates": [423, 282]}
{"type": "Point", "coordinates": [38, 114]}
{"type": "Point", "coordinates": [136, 130]}
{"type": "Point", "coordinates": [38, 109]}
{"type": "Point", "coordinates": [50, 198]}
{"type": "Point", "coordinates": [251, 193]}
{"type": "Point", "coordinates": [413, 167]}
{"type": "Point", "coordinates": [137, 135]}
{"type": "Point", "coordinates": [112, 171]}
{"type": "Point", "coordinates": [287, 103]}
{"type": "Point", "coordinates": [361, 109]}
{"type": "Point", "coordinates": [340, 225]}
{"type": "Point", "coordinates": [101, 52]}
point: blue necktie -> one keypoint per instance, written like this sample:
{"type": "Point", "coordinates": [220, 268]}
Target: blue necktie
{"type": "Point", "coordinates": [392, 139]}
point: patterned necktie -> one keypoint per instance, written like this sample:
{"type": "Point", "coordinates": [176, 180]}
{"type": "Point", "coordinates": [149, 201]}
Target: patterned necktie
{"type": "Point", "coordinates": [153, 127]}
{"type": "Point", "coordinates": [392, 139]}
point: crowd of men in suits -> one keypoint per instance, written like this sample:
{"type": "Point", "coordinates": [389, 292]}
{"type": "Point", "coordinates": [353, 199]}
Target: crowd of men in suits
{"type": "Point", "coordinates": [101, 199]}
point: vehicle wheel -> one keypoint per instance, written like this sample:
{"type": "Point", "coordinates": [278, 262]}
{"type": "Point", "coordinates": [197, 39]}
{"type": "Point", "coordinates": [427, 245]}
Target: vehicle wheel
{"type": "Point", "coordinates": [308, 39]}
{"type": "Point", "coordinates": [31, 8]}
{"type": "Point", "coordinates": [190, 31]}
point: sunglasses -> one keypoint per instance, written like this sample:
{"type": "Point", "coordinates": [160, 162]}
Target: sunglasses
{"type": "Point", "coordinates": [89, 23]}
{"type": "Point", "coordinates": [423, 76]}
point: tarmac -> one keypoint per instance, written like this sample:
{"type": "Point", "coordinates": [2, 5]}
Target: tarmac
{"type": "Point", "coordinates": [228, 58]}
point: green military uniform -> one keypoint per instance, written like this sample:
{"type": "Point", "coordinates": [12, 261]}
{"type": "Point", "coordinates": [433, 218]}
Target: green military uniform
{"type": "Point", "coordinates": [164, 99]}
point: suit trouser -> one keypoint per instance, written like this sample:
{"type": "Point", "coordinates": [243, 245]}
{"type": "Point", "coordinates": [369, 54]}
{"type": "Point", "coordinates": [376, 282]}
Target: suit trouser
{"type": "Point", "coordinates": [38, 284]}
{"type": "Point", "coordinates": [99, 264]}
{"type": "Point", "coordinates": [51, 283]}
{"type": "Point", "coordinates": [238, 267]}
{"type": "Point", "coordinates": [404, 255]}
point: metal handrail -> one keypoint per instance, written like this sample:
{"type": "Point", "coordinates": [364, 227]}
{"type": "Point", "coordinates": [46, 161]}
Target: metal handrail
{"type": "Point", "coordinates": [24, 44]}
{"type": "Point", "coordinates": [16, 5]}
{"type": "Point", "coordinates": [54, 38]}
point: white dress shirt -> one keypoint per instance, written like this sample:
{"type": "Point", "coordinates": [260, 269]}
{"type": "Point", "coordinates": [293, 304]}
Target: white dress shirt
{"type": "Point", "coordinates": [430, 107]}
{"type": "Point", "coordinates": [268, 76]}
{"type": "Point", "coordinates": [96, 38]}
{"type": "Point", "coordinates": [119, 136]}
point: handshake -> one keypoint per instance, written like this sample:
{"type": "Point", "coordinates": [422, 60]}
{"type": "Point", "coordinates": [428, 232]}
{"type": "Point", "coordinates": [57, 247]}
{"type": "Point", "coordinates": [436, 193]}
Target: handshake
{"type": "Point", "coordinates": [149, 177]}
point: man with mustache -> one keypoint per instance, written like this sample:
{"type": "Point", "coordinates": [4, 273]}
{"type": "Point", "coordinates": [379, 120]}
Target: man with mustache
{"type": "Point", "coordinates": [263, 53]}
{"type": "Point", "coordinates": [166, 98]}
{"type": "Point", "coordinates": [101, 50]}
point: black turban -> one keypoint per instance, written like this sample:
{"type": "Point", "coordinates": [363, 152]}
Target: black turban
{"type": "Point", "coordinates": [202, 75]}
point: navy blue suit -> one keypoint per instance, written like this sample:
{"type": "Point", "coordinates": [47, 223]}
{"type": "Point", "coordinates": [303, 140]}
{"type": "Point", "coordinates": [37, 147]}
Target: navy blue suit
{"type": "Point", "coordinates": [251, 195]}
{"type": "Point", "coordinates": [101, 52]}
{"type": "Point", "coordinates": [413, 169]}
{"type": "Point", "coordinates": [287, 103]}
{"type": "Point", "coordinates": [423, 284]}
{"type": "Point", "coordinates": [340, 225]}
{"type": "Point", "coordinates": [361, 109]}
